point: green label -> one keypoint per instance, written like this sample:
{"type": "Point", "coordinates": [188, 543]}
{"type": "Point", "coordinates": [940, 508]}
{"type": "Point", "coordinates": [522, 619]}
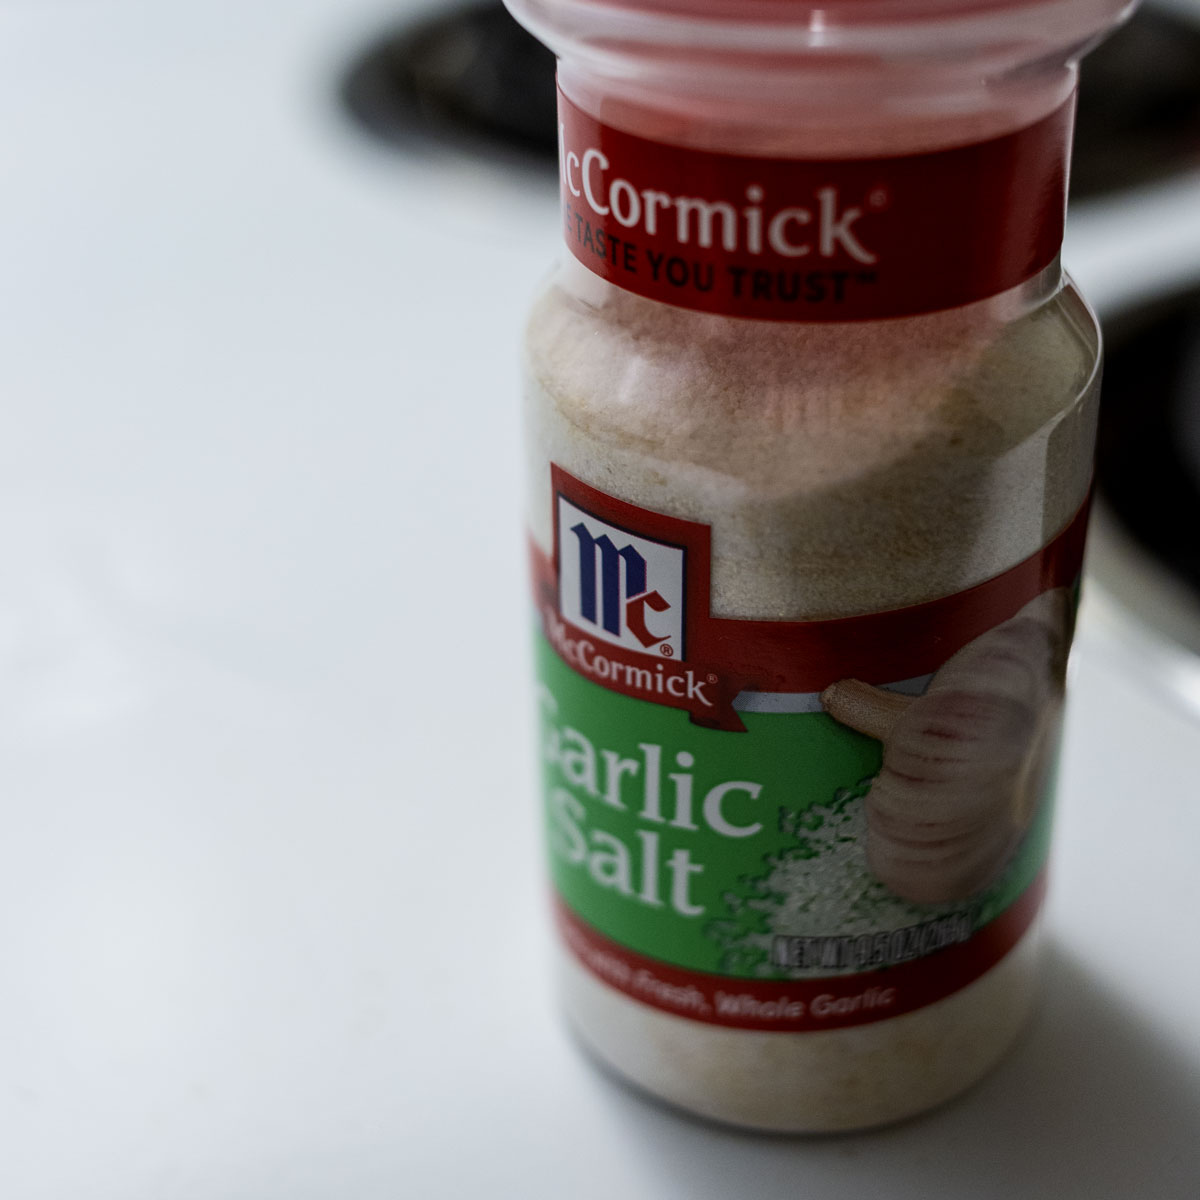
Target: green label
{"type": "Point", "coordinates": [742, 854]}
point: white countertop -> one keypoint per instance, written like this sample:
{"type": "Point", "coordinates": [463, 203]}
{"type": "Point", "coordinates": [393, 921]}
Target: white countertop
{"type": "Point", "coordinates": [263, 676]}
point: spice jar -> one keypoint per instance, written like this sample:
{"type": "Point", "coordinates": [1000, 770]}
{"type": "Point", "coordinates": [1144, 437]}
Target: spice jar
{"type": "Point", "coordinates": [810, 418]}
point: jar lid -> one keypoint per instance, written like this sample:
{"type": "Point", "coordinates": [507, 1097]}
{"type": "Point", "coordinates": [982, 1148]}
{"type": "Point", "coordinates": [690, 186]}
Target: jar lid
{"type": "Point", "coordinates": [781, 27]}
{"type": "Point", "coordinates": [812, 12]}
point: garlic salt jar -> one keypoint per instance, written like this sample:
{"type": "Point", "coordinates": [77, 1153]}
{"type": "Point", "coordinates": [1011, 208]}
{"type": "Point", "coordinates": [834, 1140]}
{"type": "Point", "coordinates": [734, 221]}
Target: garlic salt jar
{"type": "Point", "coordinates": [810, 418]}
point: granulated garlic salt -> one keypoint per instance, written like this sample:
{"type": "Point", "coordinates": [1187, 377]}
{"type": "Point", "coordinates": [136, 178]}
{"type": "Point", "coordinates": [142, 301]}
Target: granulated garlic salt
{"type": "Point", "coordinates": [806, 526]}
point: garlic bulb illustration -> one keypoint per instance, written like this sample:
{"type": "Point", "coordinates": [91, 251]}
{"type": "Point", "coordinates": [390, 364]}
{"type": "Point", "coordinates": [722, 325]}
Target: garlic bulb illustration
{"type": "Point", "coordinates": [965, 764]}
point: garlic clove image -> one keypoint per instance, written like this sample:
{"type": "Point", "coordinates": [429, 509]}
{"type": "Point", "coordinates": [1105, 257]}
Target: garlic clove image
{"type": "Point", "coordinates": [965, 764]}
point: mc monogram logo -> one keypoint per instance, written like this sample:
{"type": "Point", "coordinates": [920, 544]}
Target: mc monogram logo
{"type": "Point", "coordinates": [619, 586]}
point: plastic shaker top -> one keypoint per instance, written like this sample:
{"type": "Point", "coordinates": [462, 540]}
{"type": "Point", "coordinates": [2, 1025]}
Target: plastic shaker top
{"type": "Point", "coordinates": [816, 12]}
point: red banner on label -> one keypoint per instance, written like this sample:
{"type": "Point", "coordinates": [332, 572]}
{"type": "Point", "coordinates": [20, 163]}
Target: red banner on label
{"type": "Point", "coordinates": [712, 660]}
{"type": "Point", "coordinates": [813, 240]}
{"type": "Point", "coordinates": [801, 1005]}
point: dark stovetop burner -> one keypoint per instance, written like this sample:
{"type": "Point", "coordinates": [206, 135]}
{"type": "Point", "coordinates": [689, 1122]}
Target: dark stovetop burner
{"type": "Point", "coordinates": [471, 75]}
{"type": "Point", "coordinates": [1148, 466]}
{"type": "Point", "coordinates": [1139, 106]}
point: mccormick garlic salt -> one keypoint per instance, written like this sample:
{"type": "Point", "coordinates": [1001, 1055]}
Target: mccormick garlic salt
{"type": "Point", "coordinates": [811, 409]}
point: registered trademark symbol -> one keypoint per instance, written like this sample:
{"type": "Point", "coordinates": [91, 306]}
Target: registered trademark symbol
{"type": "Point", "coordinates": [879, 198]}
{"type": "Point", "coordinates": [712, 678]}
{"type": "Point", "coordinates": [666, 651]}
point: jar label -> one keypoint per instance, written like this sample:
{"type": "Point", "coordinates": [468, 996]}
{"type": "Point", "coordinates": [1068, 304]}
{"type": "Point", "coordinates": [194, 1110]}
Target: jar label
{"type": "Point", "coordinates": [782, 825]}
{"type": "Point", "coordinates": [813, 239]}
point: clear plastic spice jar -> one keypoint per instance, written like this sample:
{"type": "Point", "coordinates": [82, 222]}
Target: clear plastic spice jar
{"type": "Point", "coordinates": [810, 414]}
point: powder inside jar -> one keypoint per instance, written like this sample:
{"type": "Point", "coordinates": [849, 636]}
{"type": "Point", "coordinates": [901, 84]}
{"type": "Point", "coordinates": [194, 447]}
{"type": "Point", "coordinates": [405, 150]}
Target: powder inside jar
{"type": "Point", "coordinates": [843, 468]}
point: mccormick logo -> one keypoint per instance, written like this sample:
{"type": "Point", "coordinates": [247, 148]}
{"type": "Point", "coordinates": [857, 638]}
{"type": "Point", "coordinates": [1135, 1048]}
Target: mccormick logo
{"type": "Point", "coordinates": [620, 587]}
{"type": "Point", "coordinates": [824, 226]}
